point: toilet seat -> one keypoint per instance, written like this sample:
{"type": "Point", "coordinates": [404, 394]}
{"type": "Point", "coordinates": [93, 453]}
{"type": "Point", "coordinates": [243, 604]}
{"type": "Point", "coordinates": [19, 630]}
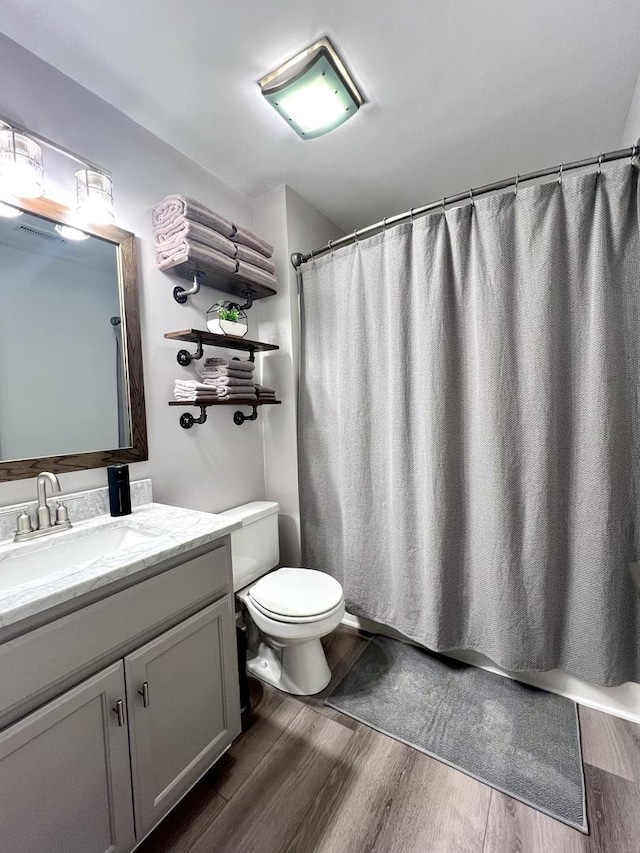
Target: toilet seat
{"type": "Point", "coordinates": [296, 595]}
{"type": "Point", "coordinates": [293, 620]}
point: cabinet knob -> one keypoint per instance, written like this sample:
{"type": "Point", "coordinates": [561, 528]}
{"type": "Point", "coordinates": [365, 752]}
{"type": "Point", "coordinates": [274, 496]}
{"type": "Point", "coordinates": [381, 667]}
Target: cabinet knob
{"type": "Point", "coordinates": [144, 692]}
{"type": "Point", "coordinates": [118, 709]}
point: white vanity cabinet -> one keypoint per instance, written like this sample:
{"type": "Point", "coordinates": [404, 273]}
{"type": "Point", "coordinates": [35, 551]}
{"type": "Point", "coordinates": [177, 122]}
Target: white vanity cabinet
{"type": "Point", "coordinates": [146, 699]}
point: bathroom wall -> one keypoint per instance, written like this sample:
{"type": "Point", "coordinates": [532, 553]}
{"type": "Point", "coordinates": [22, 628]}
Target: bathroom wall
{"type": "Point", "coordinates": [292, 225]}
{"type": "Point", "coordinates": [632, 126]}
{"type": "Point", "coordinates": [213, 466]}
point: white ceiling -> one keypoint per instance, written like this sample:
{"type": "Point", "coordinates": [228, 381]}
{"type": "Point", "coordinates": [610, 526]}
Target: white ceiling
{"type": "Point", "coordinates": [460, 92]}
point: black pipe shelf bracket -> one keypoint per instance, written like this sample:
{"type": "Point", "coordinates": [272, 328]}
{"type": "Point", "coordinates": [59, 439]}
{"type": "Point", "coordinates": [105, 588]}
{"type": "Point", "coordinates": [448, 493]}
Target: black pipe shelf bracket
{"type": "Point", "coordinates": [239, 418]}
{"type": "Point", "coordinates": [187, 420]}
{"type": "Point", "coordinates": [181, 295]}
{"type": "Point", "coordinates": [199, 274]}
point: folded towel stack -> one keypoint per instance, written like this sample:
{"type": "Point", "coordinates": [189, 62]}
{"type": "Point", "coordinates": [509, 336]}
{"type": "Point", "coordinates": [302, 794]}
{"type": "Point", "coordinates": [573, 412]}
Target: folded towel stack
{"type": "Point", "coordinates": [184, 230]}
{"type": "Point", "coordinates": [230, 379]}
{"type": "Point", "coordinates": [189, 391]}
{"type": "Point", "coordinates": [265, 393]}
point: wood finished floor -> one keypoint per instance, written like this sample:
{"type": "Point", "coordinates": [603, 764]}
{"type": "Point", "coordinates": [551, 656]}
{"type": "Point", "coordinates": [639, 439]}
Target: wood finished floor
{"type": "Point", "coordinates": [303, 778]}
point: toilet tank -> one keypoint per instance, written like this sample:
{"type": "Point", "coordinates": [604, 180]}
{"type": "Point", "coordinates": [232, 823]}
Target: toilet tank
{"type": "Point", "coordinates": [255, 548]}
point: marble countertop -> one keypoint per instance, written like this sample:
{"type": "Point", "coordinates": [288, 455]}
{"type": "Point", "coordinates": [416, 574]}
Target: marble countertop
{"type": "Point", "coordinates": [172, 530]}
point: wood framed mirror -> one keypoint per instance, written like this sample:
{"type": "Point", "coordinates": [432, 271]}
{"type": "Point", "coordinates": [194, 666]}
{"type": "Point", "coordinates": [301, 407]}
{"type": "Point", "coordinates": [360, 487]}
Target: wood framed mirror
{"type": "Point", "coordinates": [71, 382]}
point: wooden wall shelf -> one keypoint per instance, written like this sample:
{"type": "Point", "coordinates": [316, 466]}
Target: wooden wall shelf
{"type": "Point", "coordinates": [187, 420]}
{"type": "Point", "coordinates": [227, 282]}
{"type": "Point", "coordinates": [202, 338]}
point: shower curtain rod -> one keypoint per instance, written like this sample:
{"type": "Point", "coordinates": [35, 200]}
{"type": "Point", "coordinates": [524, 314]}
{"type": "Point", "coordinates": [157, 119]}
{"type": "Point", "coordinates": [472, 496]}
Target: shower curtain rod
{"type": "Point", "coordinates": [297, 258]}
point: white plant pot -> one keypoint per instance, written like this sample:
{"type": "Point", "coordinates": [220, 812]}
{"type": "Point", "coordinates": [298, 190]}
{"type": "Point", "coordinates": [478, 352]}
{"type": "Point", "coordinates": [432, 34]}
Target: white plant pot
{"type": "Point", "coordinates": [225, 327]}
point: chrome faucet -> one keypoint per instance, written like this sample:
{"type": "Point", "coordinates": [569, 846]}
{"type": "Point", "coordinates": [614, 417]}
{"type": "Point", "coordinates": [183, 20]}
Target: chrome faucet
{"type": "Point", "coordinates": [44, 524]}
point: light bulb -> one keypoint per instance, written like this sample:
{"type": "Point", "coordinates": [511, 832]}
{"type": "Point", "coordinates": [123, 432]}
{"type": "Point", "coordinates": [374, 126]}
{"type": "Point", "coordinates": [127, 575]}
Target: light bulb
{"type": "Point", "coordinates": [21, 172]}
{"type": "Point", "coordinates": [70, 233]}
{"type": "Point", "coordinates": [95, 197]}
{"type": "Point", "coordinates": [8, 211]}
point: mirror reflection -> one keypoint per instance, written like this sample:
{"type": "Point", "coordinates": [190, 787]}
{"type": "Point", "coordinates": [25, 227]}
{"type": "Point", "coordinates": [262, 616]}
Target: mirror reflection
{"type": "Point", "coordinates": [62, 363]}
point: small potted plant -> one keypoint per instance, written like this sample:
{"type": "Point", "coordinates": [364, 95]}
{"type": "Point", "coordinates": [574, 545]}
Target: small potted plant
{"type": "Point", "coordinates": [226, 318]}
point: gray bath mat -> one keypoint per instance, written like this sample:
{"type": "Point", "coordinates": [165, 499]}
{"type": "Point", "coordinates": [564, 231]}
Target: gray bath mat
{"type": "Point", "coordinates": [518, 739]}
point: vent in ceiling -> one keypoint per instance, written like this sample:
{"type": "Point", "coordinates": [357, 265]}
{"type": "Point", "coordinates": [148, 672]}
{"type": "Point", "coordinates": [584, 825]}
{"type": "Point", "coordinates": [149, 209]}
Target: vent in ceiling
{"type": "Point", "coordinates": [43, 235]}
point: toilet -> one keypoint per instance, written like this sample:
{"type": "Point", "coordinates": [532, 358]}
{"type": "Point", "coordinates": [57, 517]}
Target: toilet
{"type": "Point", "coordinates": [287, 610]}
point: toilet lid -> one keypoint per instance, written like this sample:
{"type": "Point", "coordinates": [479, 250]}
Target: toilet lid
{"type": "Point", "coordinates": [297, 592]}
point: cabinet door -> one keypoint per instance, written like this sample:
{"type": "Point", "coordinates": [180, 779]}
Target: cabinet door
{"type": "Point", "coordinates": [184, 709]}
{"type": "Point", "coordinates": [65, 784]}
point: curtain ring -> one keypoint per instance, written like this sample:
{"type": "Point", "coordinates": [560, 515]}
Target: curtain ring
{"type": "Point", "coordinates": [634, 153]}
{"type": "Point", "coordinates": [444, 202]}
{"type": "Point", "coordinates": [560, 174]}
{"type": "Point", "coordinates": [330, 245]}
{"type": "Point", "coordinates": [600, 163]}
{"type": "Point", "coordinates": [515, 192]}
{"type": "Point", "coordinates": [473, 204]}
{"type": "Point", "coordinates": [355, 235]}
{"type": "Point", "coordinates": [411, 214]}
{"type": "Point", "coordinates": [384, 225]}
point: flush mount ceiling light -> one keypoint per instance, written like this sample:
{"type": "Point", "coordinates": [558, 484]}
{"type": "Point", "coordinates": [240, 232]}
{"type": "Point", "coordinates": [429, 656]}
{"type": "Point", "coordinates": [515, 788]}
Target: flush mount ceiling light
{"type": "Point", "coordinates": [21, 172]}
{"type": "Point", "coordinates": [95, 197]}
{"type": "Point", "coordinates": [313, 92]}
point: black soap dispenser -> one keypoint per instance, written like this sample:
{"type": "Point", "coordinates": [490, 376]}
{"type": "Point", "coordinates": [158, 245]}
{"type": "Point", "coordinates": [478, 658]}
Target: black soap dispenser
{"type": "Point", "coordinates": [119, 490]}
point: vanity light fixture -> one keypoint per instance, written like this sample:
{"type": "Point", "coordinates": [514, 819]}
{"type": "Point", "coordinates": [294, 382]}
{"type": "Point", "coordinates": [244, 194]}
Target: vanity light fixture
{"type": "Point", "coordinates": [94, 192]}
{"type": "Point", "coordinates": [71, 233]}
{"type": "Point", "coordinates": [8, 211]}
{"type": "Point", "coordinates": [21, 171]}
{"type": "Point", "coordinates": [22, 174]}
{"type": "Point", "coordinates": [313, 92]}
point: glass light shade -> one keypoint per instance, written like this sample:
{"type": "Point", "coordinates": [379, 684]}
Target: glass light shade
{"type": "Point", "coordinates": [8, 211]}
{"type": "Point", "coordinates": [21, 171]}
{"type": "Point", "coordinates": [313, 92]}
{"type": "Point", "coordinates": [94, 192]}
{"type": "Point", "coordinates": [70, 233]}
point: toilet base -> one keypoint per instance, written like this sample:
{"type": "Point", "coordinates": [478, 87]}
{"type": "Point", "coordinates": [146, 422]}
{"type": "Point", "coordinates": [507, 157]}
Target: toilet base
{"type": "Point", "coordinates": [297, 668]}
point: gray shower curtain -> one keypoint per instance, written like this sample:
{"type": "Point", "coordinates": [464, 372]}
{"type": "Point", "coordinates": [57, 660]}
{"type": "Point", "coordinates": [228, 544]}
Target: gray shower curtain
{"type": "Point", "coordinates": [468, 426]}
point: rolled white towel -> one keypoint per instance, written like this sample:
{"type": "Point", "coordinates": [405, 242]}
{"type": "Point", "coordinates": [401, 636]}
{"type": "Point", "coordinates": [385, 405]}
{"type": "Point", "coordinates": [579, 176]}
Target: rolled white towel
{"type": "Point", "coordinates": [178, 206]}
{"type": "Point", "coordinates": [250, 256]}
{"type": "Point", "coordinates": [172, 254]}
{"type": "Point", "coordinates": [255, 275]}
{"type": "Point", "coordinates": [248, 238]}
{"type": "Point", "coordinates": [194, 232]}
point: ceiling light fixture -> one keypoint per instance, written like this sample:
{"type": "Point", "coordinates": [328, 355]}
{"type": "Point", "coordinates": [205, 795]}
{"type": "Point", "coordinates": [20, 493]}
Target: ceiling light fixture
{"type": "Point", "coordinates": [313, 92]}
{"type": "Point", "coordinates": [70, 233]}
{"type": "Point", "coordinates": [8, 211]}
{"type": "Point", "coordinates": [21, 171]}
{"type": "Point", "coordinates": [94, 192]}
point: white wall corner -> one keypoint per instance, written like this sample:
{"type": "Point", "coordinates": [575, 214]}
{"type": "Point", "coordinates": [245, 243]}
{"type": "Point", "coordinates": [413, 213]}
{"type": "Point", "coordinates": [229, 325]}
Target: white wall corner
{"type": "Point", "coordinates": [291, 224]}
{"type": "Point", "coordinates": [632, 126]}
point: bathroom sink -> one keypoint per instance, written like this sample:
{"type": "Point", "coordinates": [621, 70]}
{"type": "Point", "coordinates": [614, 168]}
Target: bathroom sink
{"type": "Point", "coordinates": [56, 556]}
